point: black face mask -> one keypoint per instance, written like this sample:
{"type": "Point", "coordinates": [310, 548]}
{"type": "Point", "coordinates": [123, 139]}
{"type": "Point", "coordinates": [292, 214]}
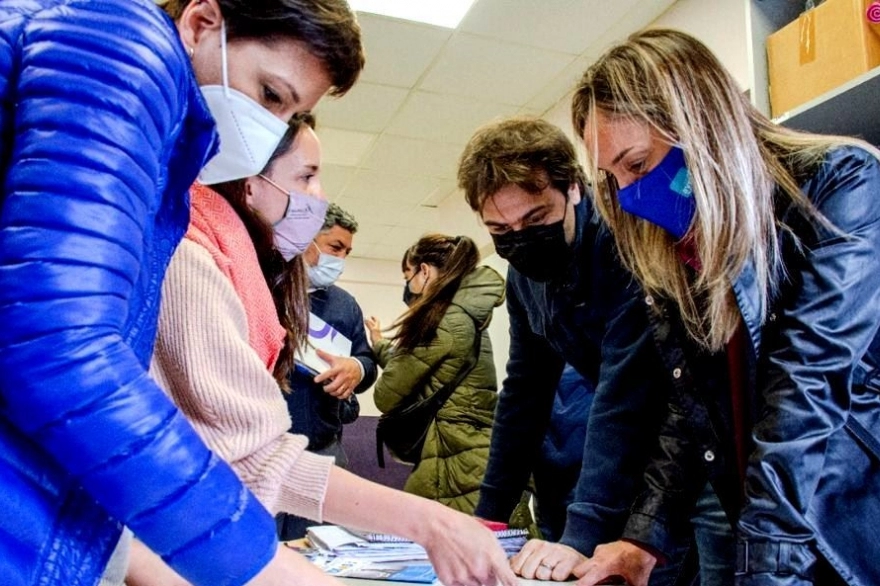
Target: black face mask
{"type": "Point", "coordinates": [408, 296]}
{"type": "Point", "coordinates": [538, 252]}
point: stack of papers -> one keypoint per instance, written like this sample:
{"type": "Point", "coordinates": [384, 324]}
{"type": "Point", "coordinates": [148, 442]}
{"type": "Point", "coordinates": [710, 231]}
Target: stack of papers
{"type": "Point", "coordinates": [378, 556]}
{"type": "Point", "coordinates": [343, 553]}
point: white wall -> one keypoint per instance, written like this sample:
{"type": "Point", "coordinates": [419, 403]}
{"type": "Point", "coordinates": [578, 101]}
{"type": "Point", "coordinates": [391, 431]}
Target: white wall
{"type": "Point", "coordinates": [721, 24]}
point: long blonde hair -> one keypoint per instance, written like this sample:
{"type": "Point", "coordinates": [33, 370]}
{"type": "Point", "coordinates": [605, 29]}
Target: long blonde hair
{"type": "Point", "coordinates": [738, 160]}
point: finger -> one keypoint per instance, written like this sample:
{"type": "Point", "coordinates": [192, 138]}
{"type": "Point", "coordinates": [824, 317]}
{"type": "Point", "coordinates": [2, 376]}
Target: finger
{"type": "Point", "coordinates": [327, 375]}
{"type": "Point", "coordinates": [562, 571]}
{"type": "Point", "coordinates": [505, 575]}
{"type": "Point", "coordinates": [519, 559]}
{"type": "Point", "coordinates": [326, 356]}
{"type": "Point", "coordinates": [593, 575]}
{"type": "Point", "coordinates": [530, 567]}
{"type": "Point", "coordinates": [335, 387]}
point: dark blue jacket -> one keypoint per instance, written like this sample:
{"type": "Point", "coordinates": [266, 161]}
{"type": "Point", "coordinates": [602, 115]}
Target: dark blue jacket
{"type": "Point", "coordinates": [592, 317]}
{"type": "Point", "coordinates": [103, 130]}
{"type": "Point", "coordinates": [558, 469]}
{"type": "Point", "coordinates": [313, 412]}
{"type": "Point", "coordinates": [812, 486]}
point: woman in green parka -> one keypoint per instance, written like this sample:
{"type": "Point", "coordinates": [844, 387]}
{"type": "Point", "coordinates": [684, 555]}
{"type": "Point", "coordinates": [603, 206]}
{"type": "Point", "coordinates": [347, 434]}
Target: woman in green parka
{"type": "Point", "coordinates": [451, 303]}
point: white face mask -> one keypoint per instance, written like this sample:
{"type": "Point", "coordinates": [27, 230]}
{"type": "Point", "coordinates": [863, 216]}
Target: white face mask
{"type": "Point", "coordinates": [327, 271]}
{"type": "Point", "coordinates": [248, 132]}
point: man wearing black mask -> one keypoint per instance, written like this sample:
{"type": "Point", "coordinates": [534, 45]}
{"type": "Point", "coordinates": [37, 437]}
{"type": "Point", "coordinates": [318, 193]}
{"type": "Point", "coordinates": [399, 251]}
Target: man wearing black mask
{"type": "Point", "coordinates": [569, 300]}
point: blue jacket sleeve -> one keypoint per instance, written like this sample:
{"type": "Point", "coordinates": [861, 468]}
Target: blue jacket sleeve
{"type": "Point", "coordinates": [522, 414]}
{"type": "Point", "coordinates": [625, 415]}
{"type": "Point", "coordinates": [825, 324]}
{"type": "Point", "coordinates": [96, 116]}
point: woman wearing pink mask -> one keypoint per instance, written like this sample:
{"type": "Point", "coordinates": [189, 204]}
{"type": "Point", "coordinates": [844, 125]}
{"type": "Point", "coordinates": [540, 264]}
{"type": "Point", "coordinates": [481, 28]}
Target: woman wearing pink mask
{"type": "Point", "coordinates": [221, 339]}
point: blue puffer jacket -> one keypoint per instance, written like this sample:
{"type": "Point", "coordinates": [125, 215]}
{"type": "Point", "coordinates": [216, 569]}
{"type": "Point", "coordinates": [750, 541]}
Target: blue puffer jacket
{"type": "Point", "coordinates": [102, 133]}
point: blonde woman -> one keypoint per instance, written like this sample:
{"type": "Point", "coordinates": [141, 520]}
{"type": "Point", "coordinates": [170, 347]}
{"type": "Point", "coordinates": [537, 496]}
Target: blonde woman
{"type": "Point", "coordinates": [759, 248]}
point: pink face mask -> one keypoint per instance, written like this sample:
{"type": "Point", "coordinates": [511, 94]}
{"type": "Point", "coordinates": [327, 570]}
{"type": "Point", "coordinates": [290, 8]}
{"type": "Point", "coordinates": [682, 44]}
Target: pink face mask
{"type": "Point", "coordinates": [302, 221]}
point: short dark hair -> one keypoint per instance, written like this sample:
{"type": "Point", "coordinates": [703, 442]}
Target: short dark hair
{"type": "Point", "coordinates": [329, 29]}
{"type": "Point", "coordinates": [524, 151]}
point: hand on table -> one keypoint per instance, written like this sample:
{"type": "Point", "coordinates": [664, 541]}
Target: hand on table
{"type": "Point", "coordinates": [543, 560]}
{"type": "Point", "coordinates": [619, 558]}
{"type": "Point", "coordinates": [342, 377]}
{"type": "Point", "coordinates": [465, 553]}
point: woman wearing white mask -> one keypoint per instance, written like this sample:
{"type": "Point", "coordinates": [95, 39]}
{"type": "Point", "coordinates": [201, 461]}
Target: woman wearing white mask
{"type": "Point", "coordinates": [220, 340]}
{"type": "Point", "coordinates": [104, 129]}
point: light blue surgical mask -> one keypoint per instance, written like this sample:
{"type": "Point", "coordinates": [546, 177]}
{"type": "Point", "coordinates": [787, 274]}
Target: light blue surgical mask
{"type": "Point", "coordinates": [326, 271]}
{"type": "Point", "coordinates": [663, 196]}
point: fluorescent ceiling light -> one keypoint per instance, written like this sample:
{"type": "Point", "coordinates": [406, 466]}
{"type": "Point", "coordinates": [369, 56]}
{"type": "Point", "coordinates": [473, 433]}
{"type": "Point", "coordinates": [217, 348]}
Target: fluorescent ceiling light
{"type": "Point", "coordinates": [447, 13]}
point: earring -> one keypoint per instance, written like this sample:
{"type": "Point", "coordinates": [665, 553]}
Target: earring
{"type": "Point", "coordinates": [190, 51]}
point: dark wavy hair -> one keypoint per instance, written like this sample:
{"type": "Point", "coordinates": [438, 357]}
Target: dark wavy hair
{"type": "Point", "coordinates": [528, 152]}
{"type": "Point", "coordinates": [286, 280]}
{"type": "Point", "coordinates": [328, 28]}
{"type": "Point", "coordinates": [454, 257]}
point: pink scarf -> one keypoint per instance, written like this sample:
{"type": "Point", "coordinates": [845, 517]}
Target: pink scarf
{"type": "Point", "coordinates": [215, 225]}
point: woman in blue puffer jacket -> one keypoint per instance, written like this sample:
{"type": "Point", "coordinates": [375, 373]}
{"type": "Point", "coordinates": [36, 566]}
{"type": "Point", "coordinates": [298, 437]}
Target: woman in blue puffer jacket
{"type": "Point", "coordinates": [103, 131]}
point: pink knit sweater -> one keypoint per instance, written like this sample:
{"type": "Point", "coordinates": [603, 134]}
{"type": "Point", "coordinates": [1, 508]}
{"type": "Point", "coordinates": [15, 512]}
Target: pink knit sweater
{"type": "Point", "coordinates": [205, 360]}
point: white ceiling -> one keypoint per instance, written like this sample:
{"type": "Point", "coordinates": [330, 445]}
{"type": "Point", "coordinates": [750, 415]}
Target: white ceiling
{"type": "Point", "coordinates": [391, 145]}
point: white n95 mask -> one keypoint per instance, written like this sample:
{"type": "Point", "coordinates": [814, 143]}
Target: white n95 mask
{"type": "Point", "coordinates": [249, 133]}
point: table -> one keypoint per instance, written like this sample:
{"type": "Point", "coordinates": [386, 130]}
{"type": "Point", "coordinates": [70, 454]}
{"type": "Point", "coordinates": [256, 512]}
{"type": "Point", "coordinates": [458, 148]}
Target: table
{"type": "Point", "coordinates": [359, 582]}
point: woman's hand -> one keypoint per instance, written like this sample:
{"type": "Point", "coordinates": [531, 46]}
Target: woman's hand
{"type": "Point", "coordinates": [464, 552]}
{"type": "Point", "coordinates": [543, 560]}
{"type": "Point", "coordinates": [619, 558]}
{"type": "Point", "coordinates": [374, 328]}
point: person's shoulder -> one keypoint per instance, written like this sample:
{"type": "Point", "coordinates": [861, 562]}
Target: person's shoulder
{"type": "Point", "coordinates": [336, 296]}
{"type": "Point", "coordinates": [845, 163]}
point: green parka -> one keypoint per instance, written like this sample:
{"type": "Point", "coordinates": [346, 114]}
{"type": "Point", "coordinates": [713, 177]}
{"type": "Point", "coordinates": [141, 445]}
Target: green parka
{"type": "Point", "coordinates": [456, 449]}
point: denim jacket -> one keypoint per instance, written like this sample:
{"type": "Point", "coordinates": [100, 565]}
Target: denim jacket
{"type": "Point", "coordinates": [811, 500]}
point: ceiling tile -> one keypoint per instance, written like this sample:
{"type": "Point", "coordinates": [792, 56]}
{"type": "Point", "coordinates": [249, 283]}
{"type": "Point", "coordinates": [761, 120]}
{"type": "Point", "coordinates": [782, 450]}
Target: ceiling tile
{"type": "Point", "coordinates": [366, 108]}
{"type": "Point", "coordinates": [376, 213]}
{"type": "Point", "coordinates": [334, 178]}
{"type": "Point", "coordinates": [392, 251]}
{"type": "Point", "coordinates": [398, 52]}
{"type": "Point", "coordinates": [444, 117]}
{"type": "Point", "coordinates": [394, 154]}
{"type": "Point", "coordinates": [383, 186]}
{"type": "Point", "coordinates": [558, 88]}
{"type": "Point", "coordinates": [343, 147]}
{"type": "Point", "coordinates": [567, 26]}
{"type": "Point", "coordinates": [368, 233]}
{"type": "Point", "coordinates": [405, 236]}
{"type": "Point", "coordinates": [443, 191]}
{"type": "Point", "coordinates": [492, 70]}
{"type": "Point", "coordinates": [421, 216]}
